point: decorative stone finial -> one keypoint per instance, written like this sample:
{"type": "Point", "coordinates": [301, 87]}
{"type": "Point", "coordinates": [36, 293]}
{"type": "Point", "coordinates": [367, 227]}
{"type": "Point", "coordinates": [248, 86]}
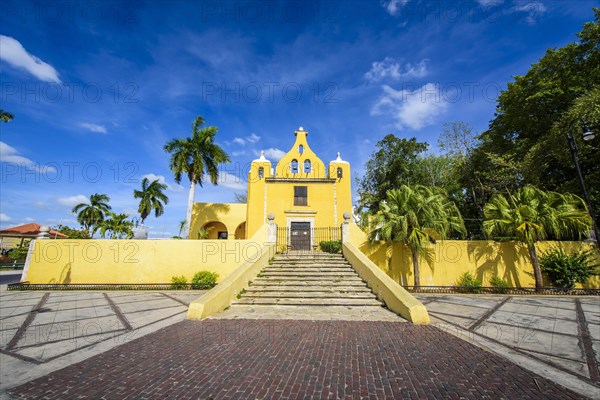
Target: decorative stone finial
{"type": "Point", "coordinates": [339, 157]}
{"type": "Point", "coordinates": [271, 217]}
{"type": "Point", "coordinates": [44, 232]}
{"type": "Point", "coordinates": [262, 155]}
{"type": "Point", "coordinates": [346, 216]}
{"type": "Point", "coordinates": [301, 129]}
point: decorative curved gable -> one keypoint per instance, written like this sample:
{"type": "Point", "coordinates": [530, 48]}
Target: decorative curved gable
{"type": "Point", "coordinates": [300, 161]}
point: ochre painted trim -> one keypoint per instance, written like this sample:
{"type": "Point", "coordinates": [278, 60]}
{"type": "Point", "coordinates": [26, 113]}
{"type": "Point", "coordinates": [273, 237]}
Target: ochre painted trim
{"type": "Point", "coordinates": [221, 296]}
{"type": "Point", "coordinates": [395, 297]}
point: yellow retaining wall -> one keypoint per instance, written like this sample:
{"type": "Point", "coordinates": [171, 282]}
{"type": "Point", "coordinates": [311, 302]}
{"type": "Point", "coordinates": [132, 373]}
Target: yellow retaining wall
{"type": "Point", "coordinates": [137, 261]}
{"type": "Point", "coordinates": [448, 259]}
{"type": "Point", "coordinates": [221, 296]}
{"type": "Point", "coordinates": [395, 297]}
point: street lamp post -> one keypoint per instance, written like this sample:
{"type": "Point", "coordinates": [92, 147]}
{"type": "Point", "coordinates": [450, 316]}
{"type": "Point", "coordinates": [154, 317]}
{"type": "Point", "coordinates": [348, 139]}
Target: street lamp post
{"type": "Point", "coordinates": [587, 136]}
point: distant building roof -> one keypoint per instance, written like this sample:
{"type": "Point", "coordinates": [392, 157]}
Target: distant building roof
{"type": "Point", "coordinates": [30, 230]}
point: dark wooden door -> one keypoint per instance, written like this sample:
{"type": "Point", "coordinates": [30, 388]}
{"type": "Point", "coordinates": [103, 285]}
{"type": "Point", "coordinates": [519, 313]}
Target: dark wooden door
{"type": "Point", "coordinates": [300, 235]}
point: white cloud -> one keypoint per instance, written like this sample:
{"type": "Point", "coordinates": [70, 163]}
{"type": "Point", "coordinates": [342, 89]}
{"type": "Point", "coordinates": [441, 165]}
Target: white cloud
{"type": "Point", "coordinates": [4, 218]}
{"type": "Point", "coordinates": [253, 138]}
{"type": "Point", "coordinates": [239, 141]}
{"type": "Point", "coordinates": [29, 219]}
{"type": "Point", "coordinates": [72, 201]}
{"type": "Point", "coordinates": [42, 205]}
{"type": "Point", "coordinates": [391, 68]}
{"type": "Point", "coordinates": [161, 179]}
{"type": "Point", "coordinates": [274, 154]}
{"type": "Point", "coordinates": [532, 11]}
{"type": "Point", "coordinates": [489, 3]}
{"type": "Point", "coordinates": [231, 181]}
{"type": "Point", "coordinates": [10, 155]}
{"type": "Point", "coordinates": [411, 109]}
{"type": "Point", "coordinates": [393, 6]}
{"type": "Point", "coordinates": [93, 127]}
{"type": "Point", "coordinates": [15, 54]}
{"type": "Point", "coordinates": [238, 153]}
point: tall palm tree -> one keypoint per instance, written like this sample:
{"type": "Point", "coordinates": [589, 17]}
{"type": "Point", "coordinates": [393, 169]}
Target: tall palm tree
{"type": "Point", "coordinates": [531, 214]}
{"type": "Point", "coordinates": [416, 216]}
{"type": "Point", "coordinates": [182, 225]}
{"type": "Point", "coordinates": [197, 157]}
{"type": "Point", "coordinates": [91, 214]}
{"type": "Point", "coordinates": [118, 226]}
{"type": "Point", "coordinates": [151, 198]}
{"type": "Point", "coordinates": [5, 116]}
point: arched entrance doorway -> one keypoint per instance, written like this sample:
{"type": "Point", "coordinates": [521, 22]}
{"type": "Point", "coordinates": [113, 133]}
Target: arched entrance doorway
{"type": "Point", "coordinates": [240, 231]}
{"type": "Point", "coordinates": [213, 230]}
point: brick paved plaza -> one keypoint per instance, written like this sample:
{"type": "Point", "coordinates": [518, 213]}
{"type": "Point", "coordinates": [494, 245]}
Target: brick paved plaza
{"type": "Point", "coordinates": [269, 359]}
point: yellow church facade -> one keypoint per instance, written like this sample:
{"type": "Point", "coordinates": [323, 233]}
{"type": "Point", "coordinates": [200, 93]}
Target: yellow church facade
{"type": "Point", "coordinates": [300, 193]}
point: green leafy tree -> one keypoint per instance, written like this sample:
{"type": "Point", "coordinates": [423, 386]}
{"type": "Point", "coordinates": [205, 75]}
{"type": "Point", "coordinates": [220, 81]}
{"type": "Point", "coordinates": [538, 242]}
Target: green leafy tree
{"type": "Point", "coordinates": [391, 166]}
{"type": "Point", "coordinates": [241, 197]}
{"type": "Point", "coordinates": [198, 157]}
{"type": "Point", "coordinates": [73, 233]}
{"type": "Point", "coordinates": [416, 216]}
{"type": "Point", "coordinates": [5, 116]}
{"type": "Point", "coordinates": [151, 197]}
{"type": "Point", "coordinates": [530, 214]}
{"type": "Point", "coordinates": [90, 215]}
{"type": "Point", "coordinates": [537, 109]}
{"type": "Point", "coordinates": [117, 225]}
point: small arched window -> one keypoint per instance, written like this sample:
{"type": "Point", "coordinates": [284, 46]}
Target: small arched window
{"type": "Point", "coordinates": [294, 166]}
{"type": "Point", "coordinates": [300, 149]}
{"type": "Point", "coordinates": [340, 173]}
{"type": "Point", "coordinates": [261, 172]}
{"type": "Point", "coordinates": [307, 167]}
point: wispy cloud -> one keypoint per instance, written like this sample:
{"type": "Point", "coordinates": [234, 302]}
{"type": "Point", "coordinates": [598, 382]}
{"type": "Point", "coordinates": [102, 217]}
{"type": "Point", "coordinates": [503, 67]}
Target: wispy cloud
{"type": "Point", "coordinates": [93, 127]}
{"type": "Point", "coordinates": [393, 7]}
{"type": "Point", "coordinates": [253, 138]}
{"type": "Point", "coordinates": [411, 109]}
{"type": "Point", "coordinates": [274, 154]}
{"type": "Point", "coordinates": [531, 11]}
{"type": "Point", "coordinates": [5, 218]}
{"type": "Point", "coordinates": [15, 54]}
{"type": "Point", "coordinates": [391, 68]}
{"type": "Point", "coordinates": [489, 3]}
{"type": "Point", "coordinates": [161, 179]}
{"type": "Point", "coordinates": [72, 201]}
{"type": "Point", "coordinates": [10, 155]}
{"type": "Point", "coordinates": [238, 153]}
{"type": "Point", "coordinates": [231, 181]}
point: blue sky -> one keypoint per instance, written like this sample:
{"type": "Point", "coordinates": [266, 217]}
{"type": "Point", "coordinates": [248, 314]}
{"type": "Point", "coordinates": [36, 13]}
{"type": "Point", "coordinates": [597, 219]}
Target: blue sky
{"type": "Point", "coordinates": [97, 88]}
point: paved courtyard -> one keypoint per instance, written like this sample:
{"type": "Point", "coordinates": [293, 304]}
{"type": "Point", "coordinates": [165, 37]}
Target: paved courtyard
{"type": "Point", "coordinates": [69, 344]}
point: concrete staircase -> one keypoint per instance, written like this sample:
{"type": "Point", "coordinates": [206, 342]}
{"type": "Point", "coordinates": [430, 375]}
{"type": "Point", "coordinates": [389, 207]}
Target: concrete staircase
{"type": "Point", "coordinates": [313, 279]}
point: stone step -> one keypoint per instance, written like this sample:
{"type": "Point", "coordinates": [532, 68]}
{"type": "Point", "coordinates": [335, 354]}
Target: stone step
{"type": "Point", "coordinates": [332, 274]}
{"type": "Point", "coordinates": [309, 302]}
{"type": "Point", "coordinates": [308, 295]}
{"type": "Point", "coordinates": [309, 263]}
{"type": "Point", "coordinates": [309, 279]}
{"type": "Point", "coordinates": [308, 269]}
{"type": "Point", "coordinates": [311, 288]}
{"type": "Point", "coordinates": [355, 283]}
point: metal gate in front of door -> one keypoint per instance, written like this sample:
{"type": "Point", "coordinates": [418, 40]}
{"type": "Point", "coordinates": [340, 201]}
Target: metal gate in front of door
{"type": "Point", "coordinates": [300, 237]}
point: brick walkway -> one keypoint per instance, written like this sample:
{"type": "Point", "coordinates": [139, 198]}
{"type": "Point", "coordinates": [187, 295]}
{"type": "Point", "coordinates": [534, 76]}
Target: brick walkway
{"type": "Point", "coordinates": [269, 359]}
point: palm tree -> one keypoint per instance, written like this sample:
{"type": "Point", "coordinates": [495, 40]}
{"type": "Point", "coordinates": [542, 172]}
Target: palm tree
{"type": "Point", "coordinates": [182, 225]}
{"type": "Point", "coordinates": [197, 157]}
{"type": "Point", "coordinates": [5, 116]}
{"type": "Point", "coordinates": [530, 215]}
{"type": "Point", "coordinates": [118, 226]}
{"type": "Point", "coordinates": [92, 214]}
{"type": "Point", "coordinates": [416, 216]}
{"type": "Point", "coordinates": [151, 198]}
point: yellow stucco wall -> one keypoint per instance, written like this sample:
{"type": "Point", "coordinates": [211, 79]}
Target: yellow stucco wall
{"type": "Point", "coordinates": [136, 261]}
{"type": "Point", "coordinates": [230, 215]}
{"type": "Point", "coordinates": [449, 259]}
{"type": "Point", "coordinates": [329, 195]}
